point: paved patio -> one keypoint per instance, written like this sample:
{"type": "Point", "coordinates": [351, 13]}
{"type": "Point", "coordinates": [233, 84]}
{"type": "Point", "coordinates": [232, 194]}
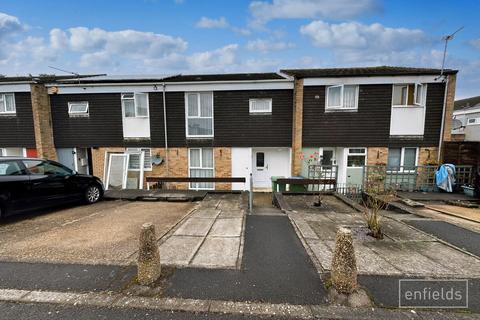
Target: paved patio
{"type": "Point", "coordinates": [404, 250]}
{"type": "Point", "coordinates": [211, 237]}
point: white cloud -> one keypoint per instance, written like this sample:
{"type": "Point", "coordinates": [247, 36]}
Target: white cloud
{"type": "Point", "coordinates": [266, 45]}
{"type": "Point", "coordinates": [217, 59]}
{"type": "Point", "coordinates": [264, 11]}
{"type": "Point", "coordinates": [475, 43]}
{"type": "Point", "coordinates": [9, 25]}
{"type": "Point", "coordinates": [209, 23]}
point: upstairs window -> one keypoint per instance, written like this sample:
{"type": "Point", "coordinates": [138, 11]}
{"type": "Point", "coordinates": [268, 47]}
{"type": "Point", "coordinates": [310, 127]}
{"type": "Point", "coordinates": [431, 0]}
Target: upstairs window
{"type": "Point", "coordinates": [342, 97]}
{"type": "Point", "coordinates": [7, 103]}
{"type": "Point", "coordinates": [199, 111]}
{"type": "Point", "coordinates": [409, 95]}
{"type": "Point", "coordinates": [78, 108]}
{"type": "Point", "coordinates": [135, 105]}
{"type": "Point", "coordinates": [260, 106]}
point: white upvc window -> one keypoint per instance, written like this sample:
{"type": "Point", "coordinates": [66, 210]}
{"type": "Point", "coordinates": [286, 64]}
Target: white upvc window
{"type": "Point", "coordinates": [402, 159]}
{"type": "Point", "coordinates": [135, 105]}
{"type": "Point", "coordinates": [78, 108]}
{"type": "Point", "coordinates": [199, 114]}
{"type": "Point", "coordinates": [7, 103]}
{"type": "Point", "coordinates": [147, 159]}
{"type": "Point", "coordinates": [1, 152]}
{"type": "Point", "coordinates": [473, 121]}
{"type": "Point", "coordinates": [405, 95]}
{"type": "Point", "coordinates": [201, 164]}
{"type": "Point", "coordinates": [342, 97]}
{"type": "Point", "coordinates": [261, 106]}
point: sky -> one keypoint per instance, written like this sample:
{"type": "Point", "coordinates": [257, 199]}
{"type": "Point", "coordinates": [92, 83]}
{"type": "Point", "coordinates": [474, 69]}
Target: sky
{"type": "Point", "coordinates": [200, 36]}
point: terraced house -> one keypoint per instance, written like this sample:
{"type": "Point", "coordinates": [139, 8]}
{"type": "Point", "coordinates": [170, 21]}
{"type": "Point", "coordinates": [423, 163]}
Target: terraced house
{"type": "Point", "coordinates": [123, 129]}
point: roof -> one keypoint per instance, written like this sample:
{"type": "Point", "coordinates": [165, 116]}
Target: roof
{"type": "Point", "coordinates": [226, 77]}
{"type": "Point", "coordinates": [140, 78]}
{"type": "Point", "coordinates": [42, 78]}
{"type": "Point", "coordinates": [364, 71]}
{"type": "Point", "coordinates": [468, 103]}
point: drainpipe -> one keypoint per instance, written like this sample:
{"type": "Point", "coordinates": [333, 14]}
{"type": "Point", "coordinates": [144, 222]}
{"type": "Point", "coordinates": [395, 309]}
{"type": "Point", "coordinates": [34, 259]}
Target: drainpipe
{"type": "Point", "coordinates": [442, 127]}
{"type": "Point", "coordinates": [165, 127]}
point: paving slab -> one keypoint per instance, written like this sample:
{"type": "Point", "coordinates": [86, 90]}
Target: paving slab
{"type": "Point", "coordinates": [323, 251]}
{"type": "Point", "coordinates": [206, 213]}
{"type": "Point", "coordinates": [234, 213]}
{"type": "Point", "coordinates": [369, 262]}
{"type": "Point", "coordinates": [324, 230]}
{"type": "Point", "coordinates": [401, 232]}
{"type": "Point", "coordinates": [227, 228]}
{"type": "Point", "coordinates": [194, 227]}
{"type": "Point", "coordinates": [305, 229]}
{"type": "Point", "coordinates": [179, 250]}
{"type": "Point", "coordinates": [407, 257]}
{"type": "Point", "coordinates": [218, 252]}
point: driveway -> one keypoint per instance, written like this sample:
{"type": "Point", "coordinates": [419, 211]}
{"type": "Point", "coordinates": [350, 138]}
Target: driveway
{"type": "Point", "coordinates": [103, 233]}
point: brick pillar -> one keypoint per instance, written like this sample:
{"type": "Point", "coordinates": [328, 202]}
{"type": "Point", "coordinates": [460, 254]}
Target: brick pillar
{"type": "Point", "coordinates": [447, 129]}
{"type": "Point", "coordinates": [42, 122]}
{"type": "Point", "coordinates": [297, 127]}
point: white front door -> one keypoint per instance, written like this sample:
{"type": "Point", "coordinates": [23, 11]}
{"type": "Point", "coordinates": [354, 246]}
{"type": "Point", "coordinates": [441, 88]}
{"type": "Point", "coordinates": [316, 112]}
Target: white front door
{"type": "Point", "coordinates": [269, 162]}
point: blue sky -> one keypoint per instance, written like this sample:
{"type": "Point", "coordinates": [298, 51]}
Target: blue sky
{"type": "Point", "coordinates": [187, 36]}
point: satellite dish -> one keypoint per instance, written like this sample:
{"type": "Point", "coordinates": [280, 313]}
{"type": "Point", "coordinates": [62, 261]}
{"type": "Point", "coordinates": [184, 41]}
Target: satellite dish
{"type": "Point", "coordinates": [157, 160]}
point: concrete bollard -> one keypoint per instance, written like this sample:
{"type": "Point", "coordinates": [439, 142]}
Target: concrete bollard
{"type": "Point", "coordinates": [344, 265]}
{"type": "Point", "coordinates": [148, 266]}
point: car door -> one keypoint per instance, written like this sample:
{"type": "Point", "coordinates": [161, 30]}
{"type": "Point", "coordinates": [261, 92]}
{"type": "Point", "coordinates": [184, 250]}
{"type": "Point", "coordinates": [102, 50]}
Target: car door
{"type": "Point", "coordinates": [48, 182]}
{"type": "Point", "coordinates": [14, 186]}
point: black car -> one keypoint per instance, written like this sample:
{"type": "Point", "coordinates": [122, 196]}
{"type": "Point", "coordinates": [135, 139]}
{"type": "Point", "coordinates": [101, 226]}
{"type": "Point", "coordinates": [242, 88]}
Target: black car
{"type": "Point", "coordinates": [32, 183]}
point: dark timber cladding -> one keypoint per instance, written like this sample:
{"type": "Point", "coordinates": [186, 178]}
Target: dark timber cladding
{"type": "Point", "coordinates": [17, 130]}
{"type": "Point", "coordinates": [369, 126]}
{"type": "Point", "coordinates": [233, 124]}
{"type": "Point", "coordinates": [103, 126]}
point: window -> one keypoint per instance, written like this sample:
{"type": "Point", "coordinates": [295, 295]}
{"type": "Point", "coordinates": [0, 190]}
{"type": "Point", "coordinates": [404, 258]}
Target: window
{"type": "Point", "coordinates": [78, 108]}
{"type": "Point", "coordinates": [409, 94]}
{"type": "Point", "coordinates": [356, 157]}
{"type": "Point", "coordinates": [10, 168]}
{"type": "Point", "coordinates": [7, 103]}
{"type": "Point", "coordinates": [200, 162]}
{"type": "Point", "coordinates": [1, 152]}
{"type": "Point", "coordinates": [472, 121]}
{"type": "Point", "coordinates": [199, 110]}
{"type": "Point", "coordinates": [342, 97]}
{"type": "Point", "coordinates": [260, 161]}
{"type": "Point", "coordinates": [38, 167]}
{"type": "Point", "coordinates": [402, 159]}
{"type": "Point", "coordinates": [260, 105]}
{"type": "Point", "coordinates": [135, 160]}
{"type": "Point", "coordinates": [135, 105]}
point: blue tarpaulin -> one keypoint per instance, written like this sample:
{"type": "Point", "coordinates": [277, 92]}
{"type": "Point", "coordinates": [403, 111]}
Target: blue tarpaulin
{"type": "Point", "coordinates": [445, 177]}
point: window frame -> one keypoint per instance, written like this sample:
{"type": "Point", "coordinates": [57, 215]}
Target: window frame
{"type": "Point", "coordinates": [415, 85]}
{"type": "Point", "coordinates": [85, 113]}
{"type": "Point", "coordinates": [187, 117]}
{"type": "Point", "coordinates": [250, 103]}
{"type": "Point", "coordinates": [201, 167]}
{"type": "Point", "coordinates": [402, 159]}
{"type": "Point", "coordinates": [2, 152]}
{"type": "Point", "coordinates": [135, 150]}
{"type": "Point", "coordinates": [476, 121]}
{"type": "Point", "coordinates": [342, 98]}
{"type": "Point", "coordinates": [3, 101]}
{"type": "Point", "coordinates": [135, 94]}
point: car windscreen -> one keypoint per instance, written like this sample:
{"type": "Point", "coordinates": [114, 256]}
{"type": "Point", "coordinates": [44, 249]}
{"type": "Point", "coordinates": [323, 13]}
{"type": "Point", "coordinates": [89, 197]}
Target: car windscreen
{"type": "Point", "coordinates": [10, 168]}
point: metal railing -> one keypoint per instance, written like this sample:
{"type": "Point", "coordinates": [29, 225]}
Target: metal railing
{"type": "Point", "coordinates": [409, 178]}
{"type": "Point", "coordinates": [327, 175]}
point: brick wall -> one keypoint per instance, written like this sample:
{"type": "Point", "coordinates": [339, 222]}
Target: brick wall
{"type": "Point", "coordinates": [42, 122]}
{"type": "Point", "coordinates": [297, 127]}
{"type": "Point", "coordinates": [447, 130]}
{"type": "Point", "coordinates": [377, 156]}
{"type": "Point", "coordinates": [427, 156]}
{"type": "Point", "coordinates": [223, 166]}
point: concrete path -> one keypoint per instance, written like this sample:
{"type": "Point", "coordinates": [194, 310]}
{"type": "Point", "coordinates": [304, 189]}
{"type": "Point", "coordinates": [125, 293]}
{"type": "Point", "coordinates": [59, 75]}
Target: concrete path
{"type": "Point", "coordinates": [460, 237]}
{"type": "Point", "coordinates": [275, 268]}
{"type": "Point", "coordinates": [216, 226]}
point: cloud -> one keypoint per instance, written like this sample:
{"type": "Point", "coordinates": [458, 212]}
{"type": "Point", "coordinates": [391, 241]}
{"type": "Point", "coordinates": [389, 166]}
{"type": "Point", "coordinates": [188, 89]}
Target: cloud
{"type": "Point", "coordinates": [475, 43]}
{"type": "Point", "coordinates": [266, 45]}
{"type": "Point", "coordinates": [209, 23]}
{"type": "Point", "coordinates": [264, 11]}
{"type": "Point", "coordinates": [217, 59]}
{"type": "Point", "coordinates": [9, 25]}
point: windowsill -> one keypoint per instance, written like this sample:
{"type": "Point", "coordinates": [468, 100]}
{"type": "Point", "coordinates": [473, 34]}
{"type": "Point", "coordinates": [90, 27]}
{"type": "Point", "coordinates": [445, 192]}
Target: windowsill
{"type": "Point", "coordinates": [408, 106]}
{"type": "Point", "coordinates": [79, 115]}
{"type": "Point", "coordinates": [341, 109]}
{"type": "Point", "coordinates": [8, 114]}
{"type": "Point", "coordinates": [199, 137]}
{"type": "Point", "coordinates": [260, 113]}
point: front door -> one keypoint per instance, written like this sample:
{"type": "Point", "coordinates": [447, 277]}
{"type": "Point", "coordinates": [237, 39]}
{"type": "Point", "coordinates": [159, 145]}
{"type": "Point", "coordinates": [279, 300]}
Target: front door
{"type": "Point", "coordinates": [356, 158]}
{"type": "Point", "coordinates": [269, 162]}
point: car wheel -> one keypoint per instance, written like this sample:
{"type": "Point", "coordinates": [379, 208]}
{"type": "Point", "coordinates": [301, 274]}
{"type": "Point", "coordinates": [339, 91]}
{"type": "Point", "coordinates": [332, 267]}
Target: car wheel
{"type": "Point", "coordinates": [92, 194]}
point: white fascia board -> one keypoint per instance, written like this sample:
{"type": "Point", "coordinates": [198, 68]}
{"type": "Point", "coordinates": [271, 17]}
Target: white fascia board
{"type": "Point", "coordinates": [23, 87]}
{"type": "Point", "coordinates": [461, 112]}
{"type": "Point", "coordinates": [173, 87]}
{"type": "Point", "coordinates": [369, 80]}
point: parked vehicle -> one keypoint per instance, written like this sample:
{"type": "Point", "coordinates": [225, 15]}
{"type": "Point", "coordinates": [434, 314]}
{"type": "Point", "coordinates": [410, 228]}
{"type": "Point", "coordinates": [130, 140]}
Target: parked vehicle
{"type": "Point", "coordinates": [32, 183]}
